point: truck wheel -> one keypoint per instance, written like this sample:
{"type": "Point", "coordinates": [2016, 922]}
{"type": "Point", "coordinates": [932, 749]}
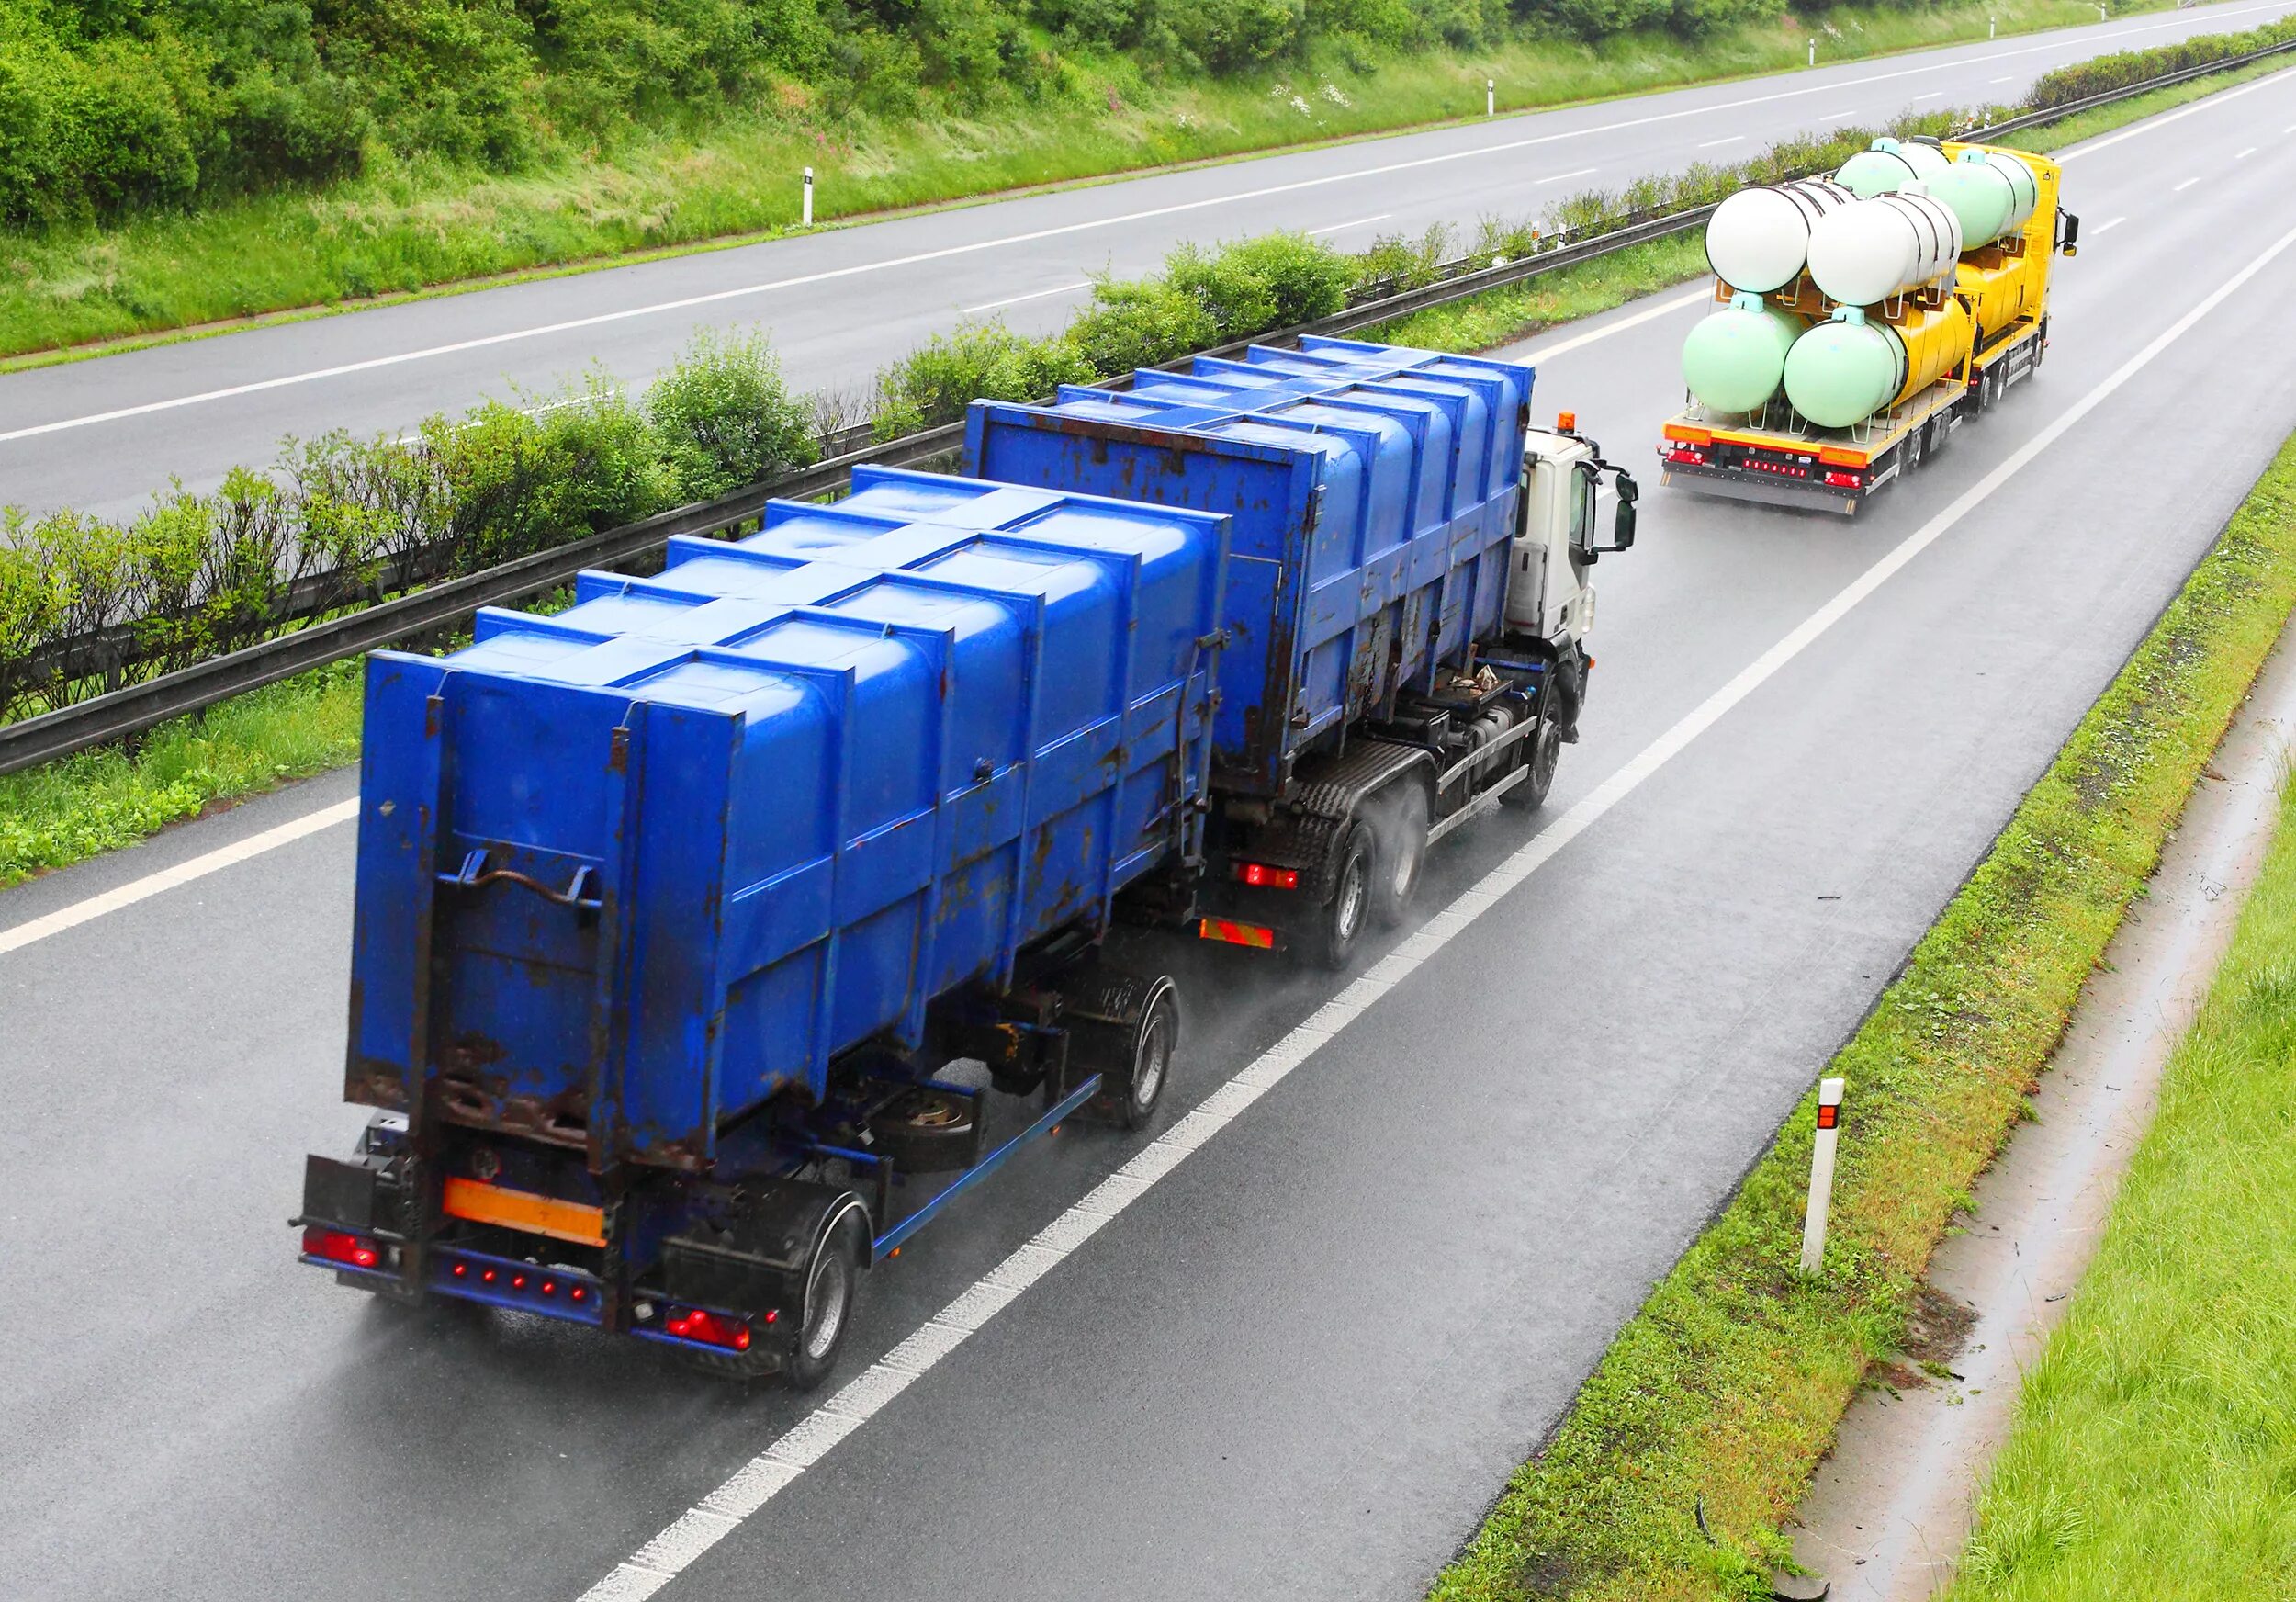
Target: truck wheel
{"type": "Point", "coordinates": [1339, 923]}
{"type": "Point", "coordinates": [1126, 1030]}
{"type": "Point", "coordinates": [926, 1131]}
{"type": "Point", "coordinates": [1545, 756]}
{"type": "Point", "coordinates": [1403, 850]}
{"type": "Point", "coordinates": [831, 1280]}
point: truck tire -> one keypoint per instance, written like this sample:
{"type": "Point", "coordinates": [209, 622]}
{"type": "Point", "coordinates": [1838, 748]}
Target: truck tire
{"type": "Point", "coordinates": [832, 1280]}
{"type": "Point", "coordinates": [1403, 840]}
{"type": "Point", "coordinates": [1544, 755]}
{"type": "Point", "coordinates": [924, 1131]}
{"type": "Point", "coordinates": [1339, 923]}
{"type": "Point", "coordinates": [1127, 1029]}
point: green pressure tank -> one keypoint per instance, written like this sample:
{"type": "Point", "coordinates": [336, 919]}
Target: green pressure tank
{"type": "Point", "coordinates": [1733, 357]}
{"type": "Point", "coordinates": [1992, 192]}
{"type": "Point", "coordinates": [1886, 166]}
{"type": "Point", "coordinates": [1844, 369]}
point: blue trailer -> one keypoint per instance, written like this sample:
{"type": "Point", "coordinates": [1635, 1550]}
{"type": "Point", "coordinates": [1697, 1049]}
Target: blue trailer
{"type": "Point", "coordinates": [674, 909]}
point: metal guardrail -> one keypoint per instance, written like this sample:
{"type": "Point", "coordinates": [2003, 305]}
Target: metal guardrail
{"type": "Point", "coordinates": [132, 710]}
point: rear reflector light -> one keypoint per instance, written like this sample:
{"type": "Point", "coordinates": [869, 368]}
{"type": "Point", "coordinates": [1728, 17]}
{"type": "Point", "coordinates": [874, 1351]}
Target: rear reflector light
{"type": "Point", "coordinates": [1250, 934]}
{"type": "Point", "coordinates": [1842, 481]}
{"type": "Point", "coordinates": [1269, 878]}
{"type": "Point", "coordinates": [710, 1328]}
{"type": "Point", "coordinates": [337, 1246]}
{"type": "Point", "coordinates": [1687, 457]}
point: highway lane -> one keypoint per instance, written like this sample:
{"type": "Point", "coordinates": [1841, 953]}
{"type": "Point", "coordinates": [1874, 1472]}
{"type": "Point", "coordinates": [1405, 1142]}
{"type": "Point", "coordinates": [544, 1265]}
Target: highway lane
{"type": "Point", "coordinates": [1306, 1359]}
{"type": "Point", "coordinates": [841, 304]}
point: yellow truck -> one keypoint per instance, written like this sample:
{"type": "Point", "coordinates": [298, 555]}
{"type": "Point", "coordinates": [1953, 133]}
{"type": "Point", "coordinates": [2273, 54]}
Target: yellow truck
{"type": "Point", "coordinates": [1938, 354]}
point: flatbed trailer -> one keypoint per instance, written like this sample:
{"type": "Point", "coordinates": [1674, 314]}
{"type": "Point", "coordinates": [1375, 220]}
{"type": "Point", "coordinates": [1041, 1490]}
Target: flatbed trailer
{"type": "Point", "coordinates": [1835, 469]}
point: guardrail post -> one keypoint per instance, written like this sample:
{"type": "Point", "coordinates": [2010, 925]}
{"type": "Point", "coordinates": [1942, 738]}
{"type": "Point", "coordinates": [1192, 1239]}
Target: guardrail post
{"type": "Point", "coordinates": [1821, 1175]}
{"type": "Point", "coordinates": [808, 219]}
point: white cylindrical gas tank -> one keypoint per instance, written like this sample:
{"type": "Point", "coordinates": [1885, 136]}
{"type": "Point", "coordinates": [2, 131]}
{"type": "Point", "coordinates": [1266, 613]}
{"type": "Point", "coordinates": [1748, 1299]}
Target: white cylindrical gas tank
{"type": "Point", "coordinates": [1885, 246]}
{"type": "Point", "coordinates": [1759, 239]}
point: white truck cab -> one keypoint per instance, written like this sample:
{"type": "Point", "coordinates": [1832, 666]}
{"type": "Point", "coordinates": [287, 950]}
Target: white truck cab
{"type": "Point", "coordinates": [1549, 594]}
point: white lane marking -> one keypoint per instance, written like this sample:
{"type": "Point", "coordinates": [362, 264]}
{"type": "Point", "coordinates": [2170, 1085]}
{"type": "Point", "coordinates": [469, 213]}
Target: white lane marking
{"type": "Point", "coordinates": [1017, 300]}
{"type": "Point", "coordinates": [2207, 103]}
{"type": "Point", "coordinates": [1939, 95]}
{"type": "Point", "coordinates": [1344, 227]}
{"type": "Point", "coordinates": [1719, 143]}
{"type": "Point", "coordinates": [182, 873]}
{"type": "Point", "coordinates": [947, 251]}
{"type": "Point", "coordinates": [1558, 177]}
{"type": "Point", "coordinates": [2181, 188]}
{"type": "Point", "coordinates": [2243, 155]}
{"type": "Point", "coordinates": [1545, 353]}
{"type": "Point", "coordinates": [764, 1477]}
{"type": "Point", "coordinates": [80, 912]}
{"type": "Point", "coordinates": [1834, 115]}
{"type": "Point", "coordinates": [2010, 79]}
{"type": "Point", "coordinates": [2102, 226]}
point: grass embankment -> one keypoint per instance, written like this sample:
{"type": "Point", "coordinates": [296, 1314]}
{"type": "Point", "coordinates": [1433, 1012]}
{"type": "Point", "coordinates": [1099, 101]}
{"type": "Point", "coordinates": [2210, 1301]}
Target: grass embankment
{"type": "Point", "coordinates": [1722, 1392]}
{"type": "Point", "coordinates": [420, 222]}
{"type": "Point", "coordinates": [69, 811]}
{"type": "Point", "coordinates": [2153, 1452]}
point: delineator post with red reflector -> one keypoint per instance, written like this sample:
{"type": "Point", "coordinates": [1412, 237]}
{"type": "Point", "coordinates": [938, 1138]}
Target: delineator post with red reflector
{"type": "Point", "coordinates": [1821, 1174]}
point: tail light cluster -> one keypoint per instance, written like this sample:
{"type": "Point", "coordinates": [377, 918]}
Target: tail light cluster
{"type": "Point", "coordinates": [502, 1277]}
{"type": "Point", "coordinates": [1841, 481]}
{"type": "Point", "coordinates": [1687, 457]}
{"type": "Point", "coordinates": [709, 1328]}
{"type": "Point", "coordinates": [1266, 877]}
{"type": "Point", "coordinates": [339, 1245]}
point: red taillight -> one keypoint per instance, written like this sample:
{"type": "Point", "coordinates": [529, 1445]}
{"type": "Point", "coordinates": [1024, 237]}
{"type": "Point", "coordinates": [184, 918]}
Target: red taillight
{"type": "Point", "coordinates": [1687, 457]}
{"type": "Point", "coordinates": [338, 1246]}
{"type": "Point", "coordinates": [1842, 481]}
{"type": "Point", "coordinates": [578, 1293]}
{"type": "Point", "coordinates": [549, 1287]}
{"type": "Point", "coordinates": [710, 1328]}
{"type": "Point", "coordinates": [1268, 878]}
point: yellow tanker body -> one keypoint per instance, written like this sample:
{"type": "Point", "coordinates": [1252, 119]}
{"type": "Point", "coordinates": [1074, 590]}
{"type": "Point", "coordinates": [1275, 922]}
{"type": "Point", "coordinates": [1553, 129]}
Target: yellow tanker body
{"type": "Point", "coordinates": [1962, 339]}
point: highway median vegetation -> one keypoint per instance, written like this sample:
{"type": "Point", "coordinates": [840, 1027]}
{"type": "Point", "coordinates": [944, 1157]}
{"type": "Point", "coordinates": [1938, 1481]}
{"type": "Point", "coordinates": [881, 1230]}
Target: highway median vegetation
{"type": "Point", "coordinates": [179, 163]}
{"type": "Point", "coordinates": [1692, 1441]}
{"type": "Point", "coordinates": [2152, 1453]}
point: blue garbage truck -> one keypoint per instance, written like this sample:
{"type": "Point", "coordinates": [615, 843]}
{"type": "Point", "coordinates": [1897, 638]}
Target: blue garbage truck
{"type": "Point", "coordinates": [708, 932]}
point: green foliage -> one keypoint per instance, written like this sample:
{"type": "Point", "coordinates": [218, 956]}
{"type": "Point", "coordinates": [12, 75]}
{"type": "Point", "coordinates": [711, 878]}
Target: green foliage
{"type": "Point", "coordinates": [723, 419]}
{"type": "Point", "coordinates": [2095, 77]}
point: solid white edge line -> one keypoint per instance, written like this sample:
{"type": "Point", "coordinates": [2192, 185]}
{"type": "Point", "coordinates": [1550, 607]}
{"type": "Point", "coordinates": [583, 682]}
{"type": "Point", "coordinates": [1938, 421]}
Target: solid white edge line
{"type": "Point", "coordinates": [760, 1479]}
{"type": "Point", "coordinates": [182, 873]}
{"type": "Point", "coordinates": [2207, 103]}
{"type": "Point", "coordinates": [975, 247]}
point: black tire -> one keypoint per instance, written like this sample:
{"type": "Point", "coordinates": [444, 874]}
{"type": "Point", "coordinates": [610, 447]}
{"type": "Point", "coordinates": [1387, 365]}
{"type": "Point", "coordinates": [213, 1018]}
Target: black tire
{"type": "Point", "coordinates": [1543, 755]}
{"type": "Point", "coordinates": [1403, 814]}
{"type": "Point", "coordinates": [1339, 923]}
{"type": "Point", "coordinates": [826, 1314]}
{"type": "Point", "coordinates": [1127, 1029]}
{"type": "Point", "coordinates": [924, 1131]}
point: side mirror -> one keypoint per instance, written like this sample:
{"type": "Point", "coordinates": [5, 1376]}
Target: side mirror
{"type": "Point", "coordinates": [1622, 528]}
{"type": "Point", "coordinates": [2068, 234]}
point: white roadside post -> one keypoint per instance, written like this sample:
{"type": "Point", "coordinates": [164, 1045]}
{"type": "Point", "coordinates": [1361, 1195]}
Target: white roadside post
{"type": "Point", "coordinates": [808, 219]}
{"type": "Point", "coordinates": [1813, 52]}
{"type": "Point", "coordinates": [1821, 1174]}
{"type": "Point", "coordinates": [1491, 96]}
{"type": "Point", "coordinates": [1992, 27]}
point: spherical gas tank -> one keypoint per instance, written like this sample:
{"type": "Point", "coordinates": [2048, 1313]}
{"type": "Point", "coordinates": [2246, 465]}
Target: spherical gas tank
{"type": "Point", "coordinates": [1881, 247]}
{"type": "Point", "coordinates": [1733, 357]}
{"type": "Point", "coordinates": [1844, 369]}
{"type": "Point", "coordinates": [1979, 196]}
{"type": "Point", "coordinates": [2022, 184]}
{"type": "Point", "coordinates": [1924, 157]}
{"type": "Point", "coordinates": [1759, 239]}
{"type": "Point", "coordinates": [1882, 169]}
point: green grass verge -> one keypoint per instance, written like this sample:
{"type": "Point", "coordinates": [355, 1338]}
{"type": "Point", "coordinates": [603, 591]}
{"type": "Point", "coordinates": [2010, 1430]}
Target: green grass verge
{"type": "Point", "coordinates": [1725, 1389]}
{"type": "Point", "coordinates": [2153, 1454]}
{"type": "Point", "coordinates": [65, 812]}
{"type": "Point", "coordinates": [426, 224]}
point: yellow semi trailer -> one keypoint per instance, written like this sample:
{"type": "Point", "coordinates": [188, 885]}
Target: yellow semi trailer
{"type": "Point", "coordinates": [1965, 344]}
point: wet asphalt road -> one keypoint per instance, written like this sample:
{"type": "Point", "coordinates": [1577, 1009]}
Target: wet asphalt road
{"type": "Point", "coordinates": [841, 304]}
{"type": "Point", "coordinates": [1302, 1365]}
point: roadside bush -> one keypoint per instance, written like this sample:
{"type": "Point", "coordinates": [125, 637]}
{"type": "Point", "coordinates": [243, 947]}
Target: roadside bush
{"type": "Point", "coordinates": [979, 361]}
{"type": "Point", "coordinates": [1139, 323]}
{"type": "Point", "coordinates": [2103, 73]}
{"type": "Point", "coordinates": [724, 418]}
